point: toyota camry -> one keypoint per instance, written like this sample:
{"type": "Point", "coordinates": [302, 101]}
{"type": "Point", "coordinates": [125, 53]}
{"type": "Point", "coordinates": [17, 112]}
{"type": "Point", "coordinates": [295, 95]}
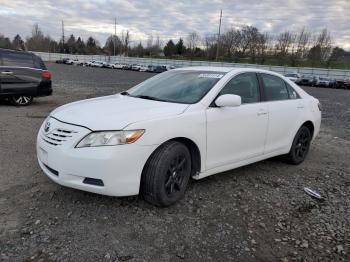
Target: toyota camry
{"type": "Point", "coordinates": [181, 124]}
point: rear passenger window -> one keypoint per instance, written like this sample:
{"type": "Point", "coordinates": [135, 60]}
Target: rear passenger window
{"type": "Point", "coordinates": [275, 88]}
{"type": "Point", "coordinates": [292, 93]}
{"type": "Point", "coordinates": [246, 86]}
{"type": "Point", "coordinates": [17, 59]}
{"type": "Point", "coordinates": [38, 62]}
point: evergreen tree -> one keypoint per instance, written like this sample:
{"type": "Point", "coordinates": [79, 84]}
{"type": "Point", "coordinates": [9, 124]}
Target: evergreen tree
{"type": "Point", "coordinates": [5, 42]}
{"type": "Point", "coordinates": [170, 48]}
{"type": "Point", "coordinates": [71, 44]}
{"type": "Point", "coordinates": [180, 47]}
{"type": "Point", "coordinates": [80, 46]}
{"type": "Point", "coordinates": [18, 43]}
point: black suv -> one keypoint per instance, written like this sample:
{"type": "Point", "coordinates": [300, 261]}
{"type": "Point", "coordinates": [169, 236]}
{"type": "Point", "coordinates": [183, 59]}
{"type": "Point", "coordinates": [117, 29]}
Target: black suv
{"type": "Point", "coordinates": [23, 75]}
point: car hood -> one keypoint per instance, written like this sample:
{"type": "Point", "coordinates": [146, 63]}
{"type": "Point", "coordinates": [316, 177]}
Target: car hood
{"type": "Point", "coordinates": [115, 112]}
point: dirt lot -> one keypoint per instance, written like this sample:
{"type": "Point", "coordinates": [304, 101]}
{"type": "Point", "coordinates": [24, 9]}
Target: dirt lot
{"type": "Point", "coordinates": [255, 213]}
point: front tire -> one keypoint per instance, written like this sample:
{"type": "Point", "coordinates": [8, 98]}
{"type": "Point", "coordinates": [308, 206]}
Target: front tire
{"type": "Point", "coordinates": [300, 146]}
{"type": "Point", "coordinates": [21, 100]}
{"type": "Point", "coordinates": [166, 174]}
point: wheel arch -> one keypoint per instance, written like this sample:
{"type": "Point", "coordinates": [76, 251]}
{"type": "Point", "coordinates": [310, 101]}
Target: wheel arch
{"type": "Point", "coordinates": [196, 161]}
{"type": "Point", "coordinates": [310, 126]}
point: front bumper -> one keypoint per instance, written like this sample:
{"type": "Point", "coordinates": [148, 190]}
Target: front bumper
{"type": "Point", "coordinates": [119, 167]}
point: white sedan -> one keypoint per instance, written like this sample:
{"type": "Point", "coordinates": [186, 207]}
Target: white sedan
{"type": "Point", "coordinates": [188, 122]}
{"type": "Point", "coordinates": [294, 77]}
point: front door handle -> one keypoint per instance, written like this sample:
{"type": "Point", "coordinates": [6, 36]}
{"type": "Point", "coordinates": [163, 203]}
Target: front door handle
{"type": "Point", "coordinates": [261, 113]}
{"type": "Point", "coordinates": [7, 73]}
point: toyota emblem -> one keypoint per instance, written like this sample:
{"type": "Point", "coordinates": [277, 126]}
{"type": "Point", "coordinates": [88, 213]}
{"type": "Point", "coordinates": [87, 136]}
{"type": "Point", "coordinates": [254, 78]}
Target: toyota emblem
{"type": "Point", "coordinates": [47, 126]}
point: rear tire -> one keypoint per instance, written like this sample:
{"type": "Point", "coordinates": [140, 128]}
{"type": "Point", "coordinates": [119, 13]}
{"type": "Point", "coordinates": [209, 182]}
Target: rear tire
{"type": "Point", "coordinates": [300, 146]}
{"type": "Point", "coordinates": [166, 174]}
{"type": "Point", "coordinates": [21, 100]}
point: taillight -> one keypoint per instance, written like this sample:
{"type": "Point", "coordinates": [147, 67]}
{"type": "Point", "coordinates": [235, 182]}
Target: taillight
{"type": "Point", "coordinates": [46, 75]}
{"type": "Point", "coordinates": [319, 106]}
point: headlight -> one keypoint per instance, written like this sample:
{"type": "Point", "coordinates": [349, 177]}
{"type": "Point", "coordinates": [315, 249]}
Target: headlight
{"type": "Point", "coordinates": [110, 138]}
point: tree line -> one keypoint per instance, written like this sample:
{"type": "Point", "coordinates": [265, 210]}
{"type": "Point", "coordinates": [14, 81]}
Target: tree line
{"type": "Point", "coordinates": [249, 45]}
{"type": "Point", "coordinates": [246, 44]}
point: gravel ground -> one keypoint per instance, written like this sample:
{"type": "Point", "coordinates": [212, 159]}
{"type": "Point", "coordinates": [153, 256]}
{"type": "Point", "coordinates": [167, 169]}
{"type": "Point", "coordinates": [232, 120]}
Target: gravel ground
{"type": "Point", "coordinates": [254, 213]}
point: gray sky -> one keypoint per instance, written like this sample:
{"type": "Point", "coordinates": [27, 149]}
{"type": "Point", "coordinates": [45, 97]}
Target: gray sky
{"type": "Point", "coordinates": [173, 19]}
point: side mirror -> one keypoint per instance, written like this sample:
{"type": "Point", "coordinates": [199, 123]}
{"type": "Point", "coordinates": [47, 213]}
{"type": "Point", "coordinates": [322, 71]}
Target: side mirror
{"type": "Point", "coordinates": [228, 101]}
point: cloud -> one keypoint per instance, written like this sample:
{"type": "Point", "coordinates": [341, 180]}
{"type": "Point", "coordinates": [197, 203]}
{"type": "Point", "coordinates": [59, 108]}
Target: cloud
{"type": "Point", "coordinates": [173, 19]}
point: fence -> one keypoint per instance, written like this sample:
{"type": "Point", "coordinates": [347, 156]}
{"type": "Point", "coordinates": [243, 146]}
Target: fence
{"type": "Point", "coordinates": [322, 72]}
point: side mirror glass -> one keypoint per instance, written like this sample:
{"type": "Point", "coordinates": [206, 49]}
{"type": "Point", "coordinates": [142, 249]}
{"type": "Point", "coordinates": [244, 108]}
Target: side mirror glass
{"type": "Point", "coordinates": [228, 101]}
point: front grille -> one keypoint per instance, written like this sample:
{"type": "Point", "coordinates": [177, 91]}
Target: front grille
{"type": "Point", "coordinates": [58, 136]}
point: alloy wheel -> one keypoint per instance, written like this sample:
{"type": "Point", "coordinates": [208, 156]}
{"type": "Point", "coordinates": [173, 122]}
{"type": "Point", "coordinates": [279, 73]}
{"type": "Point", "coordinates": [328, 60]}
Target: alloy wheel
{"type": "Point", "coordinates": [175, 175]}
{"type": "Point", "coordinates": [302, 145]}
{"type": "Point", "coordinates": [22, 100]}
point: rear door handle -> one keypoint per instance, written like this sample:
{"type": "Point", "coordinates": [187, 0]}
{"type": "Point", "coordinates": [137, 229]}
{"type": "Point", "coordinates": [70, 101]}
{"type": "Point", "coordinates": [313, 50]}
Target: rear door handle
{"type": "Point", "coordinates": [262, 112]}
{"type": "Point", "coordinates": [7, 73]}
{"type": "Point", "coordinates": [300, 106]}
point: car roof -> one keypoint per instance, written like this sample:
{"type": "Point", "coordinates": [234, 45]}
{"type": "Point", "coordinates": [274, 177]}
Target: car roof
{"type": "Point", "coordinates": [16, 51]}
{"type": "Point", "coordinates": [227, 69]}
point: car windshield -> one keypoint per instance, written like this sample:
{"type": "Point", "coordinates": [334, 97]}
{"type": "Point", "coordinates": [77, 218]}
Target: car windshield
{"type": "Point", "coordinates": [182, 86]}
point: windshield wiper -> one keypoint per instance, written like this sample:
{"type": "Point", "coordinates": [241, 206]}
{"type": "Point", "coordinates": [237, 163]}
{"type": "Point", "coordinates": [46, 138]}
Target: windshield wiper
{"type": "Point", "coordinates": [124, 93]}
{"type": "Point", "coordinates": [150, 98]}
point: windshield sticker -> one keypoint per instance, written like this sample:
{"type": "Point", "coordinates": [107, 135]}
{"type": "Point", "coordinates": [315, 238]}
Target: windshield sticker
{"type": "Point", "coordinates": [210, 76]}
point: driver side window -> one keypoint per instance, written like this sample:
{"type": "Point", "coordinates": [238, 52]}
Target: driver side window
{"type": "Point", "coordinates": [245, 85]}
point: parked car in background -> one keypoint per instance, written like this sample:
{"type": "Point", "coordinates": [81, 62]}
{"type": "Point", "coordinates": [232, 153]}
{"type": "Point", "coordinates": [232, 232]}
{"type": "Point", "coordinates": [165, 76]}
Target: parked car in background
{"type": "Point", "coordinates": [233, 117]}
{"type": "Point", "coordinates": [105, 64]}
{"type": "Point", "coordinates": [109, 65]}
{"type": "Point", "coordinates": [170, 67]}
{"type": "Point", "coordinates": [332, 83]}
{"type": "Point", "coordinates": [77, 62]}
{"type": "Point", "coordinates": [69, 61]}
{"type": "Point", "coordinates": [342, 83]}
{"type": "Point", "coordinates": [150, 68]}
{"type": "Point", "coordinates": [143, 68]}
{"type": "Point", "coordinates": [61, 61]}
{"type": "Point", "coordinates": [23, 76]}
{"type": "Point", "coordinates": [307, 81]}
{"type": "Point", "coordinates": [66, 61]}
{"type": "Point", "coordinates": [159, 69]}
{"type": "Point", "coordinates": [89, 63]}
{"type": "Point", "coordinates": [98, 64]}
{"type": "Point", "coordinates": [323, 82]}
{"type": "Point", "coordinates": [118, 66]}
{"type": "Point", "coordinates": [135, 67]}
{"type": "Point", "coordinates": [293, 77]}
{"type": "Point", "coordinates": [94, 64]}
{"type": "Point", "coordinates": [128, 67]}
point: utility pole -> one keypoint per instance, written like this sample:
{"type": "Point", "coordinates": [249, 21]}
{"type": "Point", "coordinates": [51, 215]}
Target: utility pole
{"type": "Point", "coordinates": [218, 41]}
{"type": "Point", "coordinates": [63, 35]}
{"type": "Point", "coordinates": [115, 33]}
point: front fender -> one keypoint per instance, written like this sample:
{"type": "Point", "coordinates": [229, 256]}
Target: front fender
{"type": "Point", "coordinates": [191, 125]}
